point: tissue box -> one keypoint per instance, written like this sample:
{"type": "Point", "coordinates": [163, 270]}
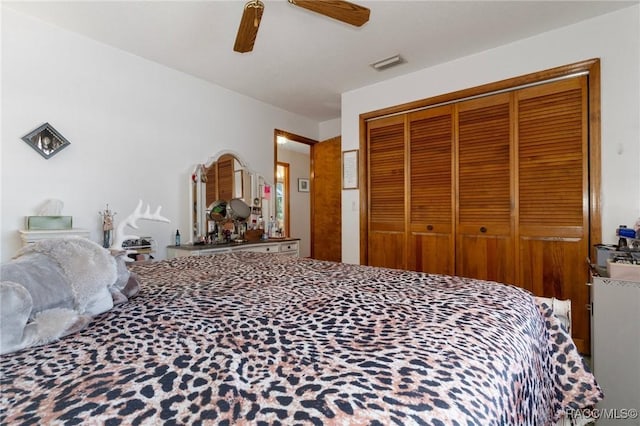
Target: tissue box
{"type": "Point", "coordinates": [623, 271]}
{"type": "Point", "coordinates": [41, 223]}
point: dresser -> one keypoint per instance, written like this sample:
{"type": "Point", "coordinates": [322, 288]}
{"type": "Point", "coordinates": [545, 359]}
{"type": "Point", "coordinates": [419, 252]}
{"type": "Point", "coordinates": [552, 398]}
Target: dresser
{"type": "Point", "coordinates": [286, 247]}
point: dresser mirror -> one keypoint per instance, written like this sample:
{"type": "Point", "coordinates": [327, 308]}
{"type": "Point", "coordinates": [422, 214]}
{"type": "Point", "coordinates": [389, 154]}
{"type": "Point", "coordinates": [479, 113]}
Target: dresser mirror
{"type": "Point", "coordinates": [223, 180]}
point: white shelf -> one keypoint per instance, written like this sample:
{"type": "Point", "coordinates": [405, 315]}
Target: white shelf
{"type": "Point", "coordinates": [146, 250]}
{"type": "Point", "coordinates": [31, 236]}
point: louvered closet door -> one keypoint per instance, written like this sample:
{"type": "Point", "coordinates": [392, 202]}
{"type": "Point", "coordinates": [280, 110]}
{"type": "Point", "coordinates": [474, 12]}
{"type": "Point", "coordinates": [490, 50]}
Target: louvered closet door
{"type": "Point", "coordinates": [386, 167]}
{"type": "Point", "coordinates": [485, 243]}
{"type": "Point", "coordinates": [431, 219]}
{"type": "Point", "coordinates": [554, 196]}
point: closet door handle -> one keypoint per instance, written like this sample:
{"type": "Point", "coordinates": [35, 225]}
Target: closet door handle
{"type": "Point", "coordinates": [483, 229]}
{"type": "Point", "coordinates": [429, 227]}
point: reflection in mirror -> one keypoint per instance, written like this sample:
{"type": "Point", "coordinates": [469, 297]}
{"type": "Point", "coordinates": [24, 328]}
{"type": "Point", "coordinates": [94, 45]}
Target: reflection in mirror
{"type": "Point", "coordinates": [292, 152]}
{"type": "Point", "coordinates": [226, 195]}
{"type": "Point", "coordinates": [282, 197]}
{"type": "Point", "coordinates": [225, 179]}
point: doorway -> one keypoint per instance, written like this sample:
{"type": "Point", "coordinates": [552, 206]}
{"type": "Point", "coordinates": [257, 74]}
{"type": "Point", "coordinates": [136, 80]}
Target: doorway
{"type": "Point", "coordinates": [296, 187]}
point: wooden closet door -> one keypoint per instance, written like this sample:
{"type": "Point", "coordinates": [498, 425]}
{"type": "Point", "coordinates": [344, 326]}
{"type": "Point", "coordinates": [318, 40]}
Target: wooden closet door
{"type": "Point", "coordinates": [431, 220]}
{"type": "Point", "coordinates": [553, 196]}
{"type": "Point", "coordinates": [326, 200]}
{"type": "Point", "coordinates": [386, 174]}
{"type": "Point", "coordinates": [485, 242]}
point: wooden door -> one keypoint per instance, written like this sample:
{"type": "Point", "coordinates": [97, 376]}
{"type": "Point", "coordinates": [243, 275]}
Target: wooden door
{"type": "Point", "coordinates": [386, 183]}
{"type": "Point", "coordinates": [553, 196]}
{"type": "Point", "coordinates": [431, 188]}
{"type": "Point", "coordinates": [326, 200]}
{"type": "Point", "coordinates": [485, 237]}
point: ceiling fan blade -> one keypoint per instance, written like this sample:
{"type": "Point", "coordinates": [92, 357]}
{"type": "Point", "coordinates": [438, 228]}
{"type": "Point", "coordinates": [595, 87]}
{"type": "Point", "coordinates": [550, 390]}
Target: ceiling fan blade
{"type": "Point", "coordinates": [343, 11]}
{"type": "Point", "coordinates": [249, 24]}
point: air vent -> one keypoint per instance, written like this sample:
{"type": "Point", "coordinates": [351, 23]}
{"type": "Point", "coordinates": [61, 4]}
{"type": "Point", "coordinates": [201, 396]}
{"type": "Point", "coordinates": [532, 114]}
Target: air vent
{"type": "Point", "coordinates": [388, 63]}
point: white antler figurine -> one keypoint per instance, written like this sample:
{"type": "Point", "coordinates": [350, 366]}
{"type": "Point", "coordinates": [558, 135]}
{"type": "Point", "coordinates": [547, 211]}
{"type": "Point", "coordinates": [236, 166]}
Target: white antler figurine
{"type": "Point", "coordinates": [131, 221]}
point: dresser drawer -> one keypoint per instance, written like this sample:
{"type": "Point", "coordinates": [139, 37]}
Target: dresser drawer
{"type": "Point", "coordinates": [259, 248]}
{"type": "Point", "coordinates": [173, 252]}
{"type": "Point", "coordinates": [290, 248]}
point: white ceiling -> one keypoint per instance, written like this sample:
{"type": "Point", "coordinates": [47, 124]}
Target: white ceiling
{"type": "Point", "coordinates": [303, 61]}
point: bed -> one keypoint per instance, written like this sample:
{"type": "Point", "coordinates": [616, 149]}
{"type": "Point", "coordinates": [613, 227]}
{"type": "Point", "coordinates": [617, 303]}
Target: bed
{"type": "Point", "coordinates": [254, 338]}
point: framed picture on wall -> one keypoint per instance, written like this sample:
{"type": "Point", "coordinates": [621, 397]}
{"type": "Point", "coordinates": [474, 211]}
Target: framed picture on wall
{"type": "Point", "coordinates": [350, 169]}
{"type": "Point", "coordinates": [303, 185]}
{"type": "Point", "coordinates": [46, 140]}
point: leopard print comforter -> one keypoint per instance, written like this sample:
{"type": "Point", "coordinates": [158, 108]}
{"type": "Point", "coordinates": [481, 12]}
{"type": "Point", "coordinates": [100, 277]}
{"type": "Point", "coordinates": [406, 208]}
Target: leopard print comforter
{"type": "Point", "coordinates": [253, 338]}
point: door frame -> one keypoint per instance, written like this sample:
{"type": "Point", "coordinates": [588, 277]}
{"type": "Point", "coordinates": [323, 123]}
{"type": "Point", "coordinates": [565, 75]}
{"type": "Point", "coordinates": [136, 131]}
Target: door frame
{"type": "Point", "coordinates": [301, 139]}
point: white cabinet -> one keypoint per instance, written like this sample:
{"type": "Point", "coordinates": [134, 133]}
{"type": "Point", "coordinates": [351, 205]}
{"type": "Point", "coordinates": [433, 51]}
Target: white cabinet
{"type": "Point", "coordinates": [288, 247]}
{"type": "Point", "coordinates": [31, 236]}
{"type": "Point", "coordinates": [615, 328]}
{"type": "Point", "coordinates": [140, 249]}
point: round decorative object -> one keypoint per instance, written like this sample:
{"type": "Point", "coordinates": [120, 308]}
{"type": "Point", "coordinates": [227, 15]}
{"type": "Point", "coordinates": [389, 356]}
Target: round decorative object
{"type": "Point", "coordinates": [238, 209]}
{"type": "Point", "coordinates": [218, 210]}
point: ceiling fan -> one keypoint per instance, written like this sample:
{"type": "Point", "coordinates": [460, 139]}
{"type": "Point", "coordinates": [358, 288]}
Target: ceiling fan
{"type": "Point", "coordinates": [343, 11]}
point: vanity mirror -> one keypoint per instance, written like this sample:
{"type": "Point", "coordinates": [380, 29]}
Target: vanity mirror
{"type": "Point", "coordinates": [222, 186]}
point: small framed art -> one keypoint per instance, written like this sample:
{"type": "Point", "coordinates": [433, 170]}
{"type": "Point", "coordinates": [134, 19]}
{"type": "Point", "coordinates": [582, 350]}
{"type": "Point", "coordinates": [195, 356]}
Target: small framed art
{"type": "Point", "coordinates": [350, 169]}
{"type": "Point", "coordinates": [46, 140]}
{"type": "Point", "coordinates": [303, 185]}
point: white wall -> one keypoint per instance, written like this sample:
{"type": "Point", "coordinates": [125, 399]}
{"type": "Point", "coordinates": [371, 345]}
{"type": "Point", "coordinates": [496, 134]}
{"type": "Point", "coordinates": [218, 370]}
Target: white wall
{"type": "Point", "coordinates": [614, 38]}
{"type": "Point", "coordinates": [136, 128]}
{"type": "Point", "coordinates": [329, 129]}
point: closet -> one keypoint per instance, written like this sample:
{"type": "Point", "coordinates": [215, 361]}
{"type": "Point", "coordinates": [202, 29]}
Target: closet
{"type": "Point", "coordinates": [494, 186]}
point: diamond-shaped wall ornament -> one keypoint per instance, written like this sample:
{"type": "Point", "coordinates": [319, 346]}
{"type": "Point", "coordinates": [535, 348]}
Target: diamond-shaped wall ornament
{"type": "Point", "coordinates": [46, 140]}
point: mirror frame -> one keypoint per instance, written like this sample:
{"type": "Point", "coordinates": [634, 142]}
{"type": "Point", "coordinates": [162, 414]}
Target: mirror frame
{"type": "Point", "coordinates": [197, 197]}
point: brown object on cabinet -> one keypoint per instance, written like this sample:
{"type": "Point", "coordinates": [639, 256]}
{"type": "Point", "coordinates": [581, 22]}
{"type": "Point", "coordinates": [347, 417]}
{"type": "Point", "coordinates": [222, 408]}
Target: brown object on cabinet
{"type": "Point", "coordinates": [493, 187]}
